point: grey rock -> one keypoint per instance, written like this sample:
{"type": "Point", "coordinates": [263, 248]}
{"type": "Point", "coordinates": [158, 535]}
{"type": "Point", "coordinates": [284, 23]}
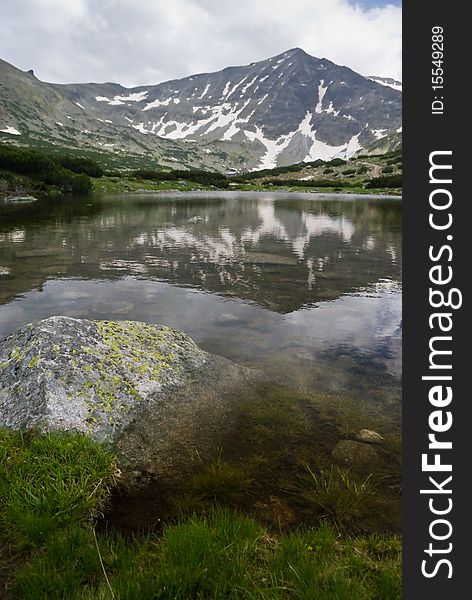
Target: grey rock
{"type": "Point", "coordinates": [196, 219]}
{"type": "Point", "coordinates": [356, 454]}
{"type": "Point", "coordinates": [20, 199]}
{"type": "Point", "coordinates": [147, 391]}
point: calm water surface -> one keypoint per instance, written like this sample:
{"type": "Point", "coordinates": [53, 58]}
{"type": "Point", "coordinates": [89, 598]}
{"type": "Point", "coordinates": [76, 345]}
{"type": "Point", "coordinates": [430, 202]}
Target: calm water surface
{"type": "Point", "coordinates": [307, 287]}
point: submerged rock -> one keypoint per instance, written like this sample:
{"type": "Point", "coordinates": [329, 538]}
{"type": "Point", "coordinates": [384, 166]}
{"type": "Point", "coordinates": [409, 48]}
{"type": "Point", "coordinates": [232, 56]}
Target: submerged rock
{"type": "Point", "coordinates": [356, 454]}
{"type": "Point", "coordinates": [147, 391]}
{"type": "Point", "coordinates": [370, 437]}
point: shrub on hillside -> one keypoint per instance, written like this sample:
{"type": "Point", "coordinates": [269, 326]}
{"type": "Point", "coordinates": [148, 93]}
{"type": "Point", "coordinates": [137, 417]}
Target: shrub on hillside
{"type": "Point", "coordinates": [85, 166]}
{"type": "Point", "coordinates": [387, 181]}
{"type": "Point", "coordinates": [43, 168]}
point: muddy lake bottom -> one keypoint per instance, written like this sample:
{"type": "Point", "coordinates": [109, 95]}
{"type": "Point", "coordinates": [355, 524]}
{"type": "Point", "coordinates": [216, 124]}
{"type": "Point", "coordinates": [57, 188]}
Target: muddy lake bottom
{"type": "Point", "coordinates": [278, 467]}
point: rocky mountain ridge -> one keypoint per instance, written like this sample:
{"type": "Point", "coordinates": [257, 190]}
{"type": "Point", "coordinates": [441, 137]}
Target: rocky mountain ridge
{"type": "Point", "coordinates": [289, 108]}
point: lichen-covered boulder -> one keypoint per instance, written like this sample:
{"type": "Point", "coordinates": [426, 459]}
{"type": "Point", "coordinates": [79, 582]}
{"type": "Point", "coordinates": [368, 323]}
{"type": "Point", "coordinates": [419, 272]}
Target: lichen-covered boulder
{"type": "Point", "coordinates": [147, 391]}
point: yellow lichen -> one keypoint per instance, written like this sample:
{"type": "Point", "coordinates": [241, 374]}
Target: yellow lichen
{"type": "Point", "coordinates": [128, 351]}
{"type": "Point", "coordinates": [33, 361]}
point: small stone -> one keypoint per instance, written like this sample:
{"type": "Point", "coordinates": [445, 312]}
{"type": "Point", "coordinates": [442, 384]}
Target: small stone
{"type": "Point", "coordinates": [368, 436]}
{"type": "Point", "coordinates": [20, 199]}
{"type": "Point", "coordinates": [227, 319]}
{"type": "Point", "coordinates": [122, 308]}
{"type": "Point", "coordinates": [275, 511]}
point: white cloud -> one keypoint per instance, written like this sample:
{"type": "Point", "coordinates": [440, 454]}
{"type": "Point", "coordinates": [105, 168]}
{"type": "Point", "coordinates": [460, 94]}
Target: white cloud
{"type": "Point", "coordinates": [141, 42]}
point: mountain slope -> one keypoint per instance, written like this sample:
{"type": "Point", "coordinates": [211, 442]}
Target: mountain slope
{"type": "Point", "coordinates": [36, 113]}
{"type": "Point", "coordinates": [289, 108]}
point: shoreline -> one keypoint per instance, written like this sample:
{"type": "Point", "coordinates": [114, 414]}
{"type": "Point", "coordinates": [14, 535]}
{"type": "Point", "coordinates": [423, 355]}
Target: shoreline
{"type": "Point", "coordinates": [280, 192]}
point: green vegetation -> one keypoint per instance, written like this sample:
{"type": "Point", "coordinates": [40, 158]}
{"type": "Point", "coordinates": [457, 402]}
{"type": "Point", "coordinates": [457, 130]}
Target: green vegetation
{"type": "Point", "coordinates": [53, 171]}
{"type": "Point", "coordinates": [44, 171]}
{"type": "Point", "coordinates": [309, 183]}
{"type": "Point", "coordinates": [81, 165]}
{"type": "Point", "coordinates": [207, 178]}
{"type": "Point", "coordinates": [128, 184]}
{"type": "Point", "coordinates": [363, 173]}
{"type": "Point", "coordinates": [388, 181]}
{"type": "Point", "coordinates": [52, 489]}
{"type": "Point", "coordinates": [337, 162]}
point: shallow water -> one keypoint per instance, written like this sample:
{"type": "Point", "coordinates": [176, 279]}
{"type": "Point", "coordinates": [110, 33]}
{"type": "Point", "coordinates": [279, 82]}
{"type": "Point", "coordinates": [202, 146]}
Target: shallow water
{"type": "Point", "coordinates": [305, 286]}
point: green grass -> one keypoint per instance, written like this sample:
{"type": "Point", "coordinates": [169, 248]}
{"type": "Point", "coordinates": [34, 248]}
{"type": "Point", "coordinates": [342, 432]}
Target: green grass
{"type": "Point", "coordinates": [52, 489]}
{"type": "Point", "coordinates": [48, 483]}
{"type": "Point", "coordinates": [334, 494]}
{"type": "Point", "coordinates": [354, 189]}
{"type": "Point", "coordinates": [130, 184]}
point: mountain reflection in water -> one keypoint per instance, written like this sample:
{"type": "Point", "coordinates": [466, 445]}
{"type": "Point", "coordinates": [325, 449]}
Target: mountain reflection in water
{"type": "Point", "coordinates": [294, 282]}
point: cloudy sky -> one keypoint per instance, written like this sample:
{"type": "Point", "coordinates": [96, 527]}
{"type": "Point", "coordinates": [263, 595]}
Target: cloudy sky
{"type": "Point", "coordinates": [138, 42]}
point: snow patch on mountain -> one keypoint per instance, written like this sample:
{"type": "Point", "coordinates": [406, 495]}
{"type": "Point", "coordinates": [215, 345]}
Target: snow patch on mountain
{"type": "Point", "coordinates": [11, 130]}
{"type": "Point", "coordinates": [379, 133]}
{"type": "Point", "coordinates": [157, 103]}
{"type": "Point", "coordinates": [205, 91]}
{"type": "Point", "coordinates": [140, 127]}
{"type": "Point", "coordinates": [247, 86]}
{"type": "Point", "coordinates": [134, 97]}
{"type": "Point", "coordinates": [321, 93]}
{"type": "Point", "coordinates": [235, 87]}
{"type": "Point", "coordinates": [388, 82]}
{"type": "Point", "coordinates": [273, 147]}
{"type": "Point", "coordinates": [324, 151]}
{"type": "Point", "coordinates": [330, 109]}
{"type": "Point", "coordinates": [117, 100]}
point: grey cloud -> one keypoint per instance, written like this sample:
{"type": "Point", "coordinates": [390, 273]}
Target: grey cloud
{"type": "Point", "coordinates": [138, 42]}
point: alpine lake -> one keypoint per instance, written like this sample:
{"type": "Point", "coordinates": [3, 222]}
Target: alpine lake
{"type": "Point", "coordinates": [304, 287]}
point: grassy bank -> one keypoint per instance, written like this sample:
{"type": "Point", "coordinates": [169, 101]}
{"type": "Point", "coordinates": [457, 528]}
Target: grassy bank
{"type": "Point", "coordinates": [128, 184]}
{"type": "Point", "coordinates": [54, 543]}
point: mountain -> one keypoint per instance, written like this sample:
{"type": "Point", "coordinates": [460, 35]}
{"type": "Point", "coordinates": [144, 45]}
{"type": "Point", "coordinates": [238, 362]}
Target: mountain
{"type": "Point", "coordinates": [289, 108]}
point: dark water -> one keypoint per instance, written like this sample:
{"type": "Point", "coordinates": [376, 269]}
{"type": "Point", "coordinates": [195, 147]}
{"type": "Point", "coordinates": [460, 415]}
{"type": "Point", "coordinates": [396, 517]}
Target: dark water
{"type": "Point", "coordinates": [306, 286]}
